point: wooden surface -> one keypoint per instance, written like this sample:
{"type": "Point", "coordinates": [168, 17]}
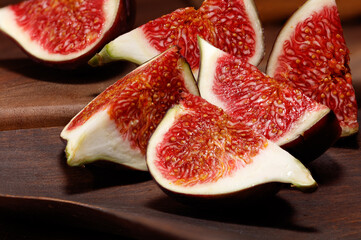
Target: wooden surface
{"type": "Point", "coordinates": [42, 198]}
{"type": "Point", "coordinates": [36, 180]}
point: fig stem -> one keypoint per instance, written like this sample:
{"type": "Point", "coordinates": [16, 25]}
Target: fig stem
{"type": "Point", "coordinates": [101, 58]}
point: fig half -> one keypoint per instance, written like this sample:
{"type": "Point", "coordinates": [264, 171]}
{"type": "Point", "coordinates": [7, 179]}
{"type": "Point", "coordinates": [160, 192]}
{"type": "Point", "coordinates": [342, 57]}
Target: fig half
{"type": "Point", "coordinates": [231, 25]}
{"type": "Point", "coordinates": [65, 33]}
{"type": "Point", "coordinates": [282, 114]}
{"type": "Point", "coordinates": [199, 151]}
{"type": "Point", "coordinates": [310, 54]}
{"type": "Point", "coordinates": [118, 123]}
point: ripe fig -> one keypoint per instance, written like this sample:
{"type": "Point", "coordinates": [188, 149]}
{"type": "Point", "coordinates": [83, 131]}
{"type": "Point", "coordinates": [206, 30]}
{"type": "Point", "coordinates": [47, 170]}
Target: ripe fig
{"type": "Point", "coordinates": [118, 123]}
{"type": "Point", "coordinates": [64, 33]}
{"type": "Point", "coordinates": [281, 113]}
{"type": "Point", "coordinates": [200, 152]}
{"type": "Point", "coordinates": [231, 25]}
{"type": "Point", "coordinates": [310, 54]}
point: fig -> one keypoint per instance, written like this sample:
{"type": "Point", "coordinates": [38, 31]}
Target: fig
{"type": "Point", "coordinates": [310, 54]}
{"type": "Point", "coordinates": [231, 25]}
{"type": "Point", "coordinates": [62, 33]}
{"type": "Point", "coordinates": [198, 151]}
{"type": "Point", "coordinates": [117, 124]}
{"type": "Point", "coordinates": [282, 114]}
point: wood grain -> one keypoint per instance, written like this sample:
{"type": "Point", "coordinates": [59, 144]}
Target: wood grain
{"type": "Point", "coordinates": [35, 179]}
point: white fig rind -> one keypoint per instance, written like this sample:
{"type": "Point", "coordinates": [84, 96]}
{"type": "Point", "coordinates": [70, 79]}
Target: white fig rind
{"type": "Point", "coordinates": [99, 139]}
{"type": "Point", "coordinates": [257, 27]}
{"type": "Point", "coordinates": [131, 46]}
{"type": "Point", "coordinates": [208, 63]}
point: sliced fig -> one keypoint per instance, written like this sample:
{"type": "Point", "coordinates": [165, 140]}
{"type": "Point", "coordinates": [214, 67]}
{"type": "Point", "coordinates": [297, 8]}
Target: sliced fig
{"type": "Point", "coordinates": [311, 55]}
{"type": "Point", "coordinates": [65, 33]}
{"type": "Point", "coordinates": [231, 25]}
{"type": "Point", "coordinates": [199, 151]}
{"type": "Point", "coordinates": [118, 123]}
{"type": "Point", "coordinates": [282, 114]}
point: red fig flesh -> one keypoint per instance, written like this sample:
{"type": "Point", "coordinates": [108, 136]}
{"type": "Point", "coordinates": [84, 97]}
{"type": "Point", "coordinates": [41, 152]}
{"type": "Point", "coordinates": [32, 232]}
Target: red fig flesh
{"type": "Point", "coordinates": [117, 124]}
{"type": "Point", "coordinates": [282, 114]}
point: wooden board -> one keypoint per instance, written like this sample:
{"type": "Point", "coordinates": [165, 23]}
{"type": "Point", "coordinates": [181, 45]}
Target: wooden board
{"type": "Point", "coordinates": [36, 180]}
{"type": "Point", "coordinates": [73, 203]}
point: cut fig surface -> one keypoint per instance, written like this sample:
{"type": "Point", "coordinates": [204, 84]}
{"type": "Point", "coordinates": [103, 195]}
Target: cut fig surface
{"type": "Point", "coordinates": [311, 55]}
{"type": "Point", "coordinates": [279, 112]}
{"type": "Point", "coordinates": [118, 123]}
{"type": "Point", "coordinates": [199, 151]}
{"type": "Point", "coordinates": [65, 33]}
{"type": "Point", "coordinates": [231, 25]}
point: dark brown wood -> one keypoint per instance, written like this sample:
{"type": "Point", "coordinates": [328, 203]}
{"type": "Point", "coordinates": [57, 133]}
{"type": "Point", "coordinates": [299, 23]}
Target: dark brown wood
{"type": "Point", "coordinates": [35, 179]}
{"type": "Point", "coordinates": [43, 198]}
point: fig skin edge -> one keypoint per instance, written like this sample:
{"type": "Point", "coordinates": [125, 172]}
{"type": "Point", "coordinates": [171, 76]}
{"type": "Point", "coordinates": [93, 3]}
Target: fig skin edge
{"type": "Point", "coordinates": [316, 140]}
{"type": "Point", "coordinates": [245, 196]}
{"type": "Point", "coordinates": [123, 22]}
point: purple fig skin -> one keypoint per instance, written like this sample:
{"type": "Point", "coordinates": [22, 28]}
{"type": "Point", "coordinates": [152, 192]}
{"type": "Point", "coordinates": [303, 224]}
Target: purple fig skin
{"type": "Point", "coordinates": [124, 22]}
{"type": "Point", "coordinates": [245, 196]}
{"type": "Point", "coordinates": [316, 140]}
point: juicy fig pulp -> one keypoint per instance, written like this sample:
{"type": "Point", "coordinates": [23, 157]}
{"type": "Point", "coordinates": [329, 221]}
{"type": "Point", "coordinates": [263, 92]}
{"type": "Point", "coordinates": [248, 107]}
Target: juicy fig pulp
{"type": "Point", "coordinates": [311, 55]}
{"type": "Point", "coordinates": [65, 33]}
{"type": "Point", "coordinates": [232, 25]}
{"type": "Point", "coordinates": [117, 124]}
{"type": "Point", "coordinates": [200, 151]}
{"type": "Point", "coordinates": [277, 111]}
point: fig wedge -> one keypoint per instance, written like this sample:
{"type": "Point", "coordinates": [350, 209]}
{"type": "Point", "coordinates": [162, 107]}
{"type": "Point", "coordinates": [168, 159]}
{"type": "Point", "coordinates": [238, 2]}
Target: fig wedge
{"type": "Point", "coordinates": [200, 152]}
{"type": "Point", "coordinates": [310, 54]}
{"type": "Point", "coordinates": [118, 123]}
{"type": "Point", "coordinates": [65, 34]}
{"type": "Point", "coordinates": [284, 115]}
{"type": "Point", "coordinates": [231, 25]}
